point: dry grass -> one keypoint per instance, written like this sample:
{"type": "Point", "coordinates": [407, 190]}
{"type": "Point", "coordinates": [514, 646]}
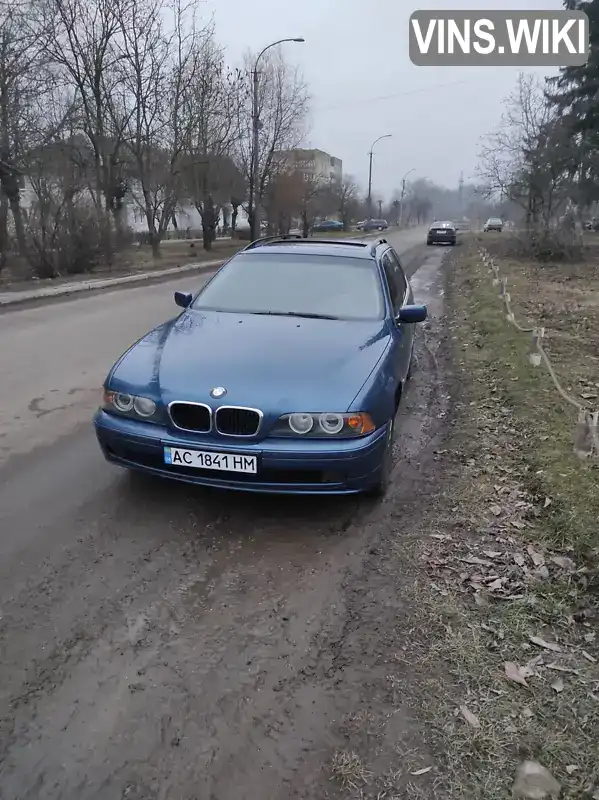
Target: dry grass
{"type": "Point", "coordinates": [174, 253]}
{"type": "Point", "coordinates": [495, 565]}
{"type": "Point", "coordinates": [347, 769]}
{"type": "Point", "coordinates": [512, 553]}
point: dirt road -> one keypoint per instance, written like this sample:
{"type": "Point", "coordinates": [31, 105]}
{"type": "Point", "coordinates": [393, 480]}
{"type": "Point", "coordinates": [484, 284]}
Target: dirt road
{"type": "Point", "coordinates": [161, 641]}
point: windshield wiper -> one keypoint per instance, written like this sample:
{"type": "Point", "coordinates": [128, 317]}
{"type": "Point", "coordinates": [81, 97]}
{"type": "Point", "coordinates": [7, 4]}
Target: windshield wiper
{"type": "Point", "coordinates": [304, 315]}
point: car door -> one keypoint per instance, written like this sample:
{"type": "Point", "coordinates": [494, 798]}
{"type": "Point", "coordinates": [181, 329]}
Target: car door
{"type": "Point", "coordinates": [399, 294]}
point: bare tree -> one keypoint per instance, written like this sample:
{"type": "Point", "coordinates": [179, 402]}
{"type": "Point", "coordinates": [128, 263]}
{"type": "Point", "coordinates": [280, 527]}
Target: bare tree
{"type": "Point", "coordinates": [530, 159]}
{"type": "Point", "coordinates": [212, 103]}
{"type": "Point", "coordinates": [84, 46]}
{"type": "Point", "coordinates": [345, 199]}
{"type": "Point", "coordinates": [23, 77]}
{"type": "Point", "coordinates": [282, 111]}
{"type": "Point", "coordinates": [283, 200]}
{"type": "Point", "coordinates": [158, 69]}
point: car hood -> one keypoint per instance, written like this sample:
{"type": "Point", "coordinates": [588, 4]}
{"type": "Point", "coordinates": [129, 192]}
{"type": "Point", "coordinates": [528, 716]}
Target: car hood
{"type": "Point", "coordinates": [273, 363]}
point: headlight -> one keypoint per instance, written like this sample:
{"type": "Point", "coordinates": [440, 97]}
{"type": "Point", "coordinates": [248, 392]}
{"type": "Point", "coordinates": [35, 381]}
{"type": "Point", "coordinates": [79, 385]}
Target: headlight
{"type": "Point", "coordinates": [144, 406]}
{"type": "Point", "coordinates": [326, 425]}
{"type": "Point", "coordinates": [123, 402]}
{"type": "Point", "coordinates": [332, 424]}
{"type": "Point", "coordinates": [129, 404]}
{"type": "Point", "coordinates": [301, 423]}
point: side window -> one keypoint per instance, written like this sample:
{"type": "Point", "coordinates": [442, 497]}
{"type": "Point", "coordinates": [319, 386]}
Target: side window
{"type": "Point", "coordinates": [389, 268]}
{"type": "Point", "coordinates": [400, 278]}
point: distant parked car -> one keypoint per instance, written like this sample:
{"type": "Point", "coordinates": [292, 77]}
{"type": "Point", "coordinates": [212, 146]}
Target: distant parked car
{"type": "Point", "coordinates": [493, 224]}
{"type": "Point", "coordinates": [327, 225]}
{"type": "Point", "coordinates": [442, 233]}
{"type": "Point", "coordinates": [374, 225]}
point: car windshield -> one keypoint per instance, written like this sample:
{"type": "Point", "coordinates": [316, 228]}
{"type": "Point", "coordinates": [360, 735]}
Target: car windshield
{"type": "Point", "coordinates": [494, 221]}
{"type": "Point", "coordinates": [332, 287]}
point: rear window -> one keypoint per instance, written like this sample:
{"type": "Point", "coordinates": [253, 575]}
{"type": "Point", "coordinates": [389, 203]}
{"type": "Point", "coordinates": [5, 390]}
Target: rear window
{"type": "Point", "coordinates": [442, 225]}
{"type": "Point", "coordinates": [298, 283]}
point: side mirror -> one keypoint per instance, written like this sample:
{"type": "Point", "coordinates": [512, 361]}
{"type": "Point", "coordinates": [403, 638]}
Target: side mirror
{"type": "Point", "coordinates": [183, 299]}
{"type": "Point", "coordinates": [412, 314]}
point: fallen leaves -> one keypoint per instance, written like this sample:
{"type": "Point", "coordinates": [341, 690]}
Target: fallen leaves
{"type": "Point", "coordinates": [470, 718]}
{"type": "Point", "coordinates": [538, 559]}
{"type": "Point", "coordinates": [516, 674]}
{"type": "Point", "coordinates": [563, 562]}
{"type": "Point", "coordinates": [545, 645]}
{"type": "Point", "coordinates": [422, 771]}
{"type": "Point", "coordinates": [534, 782]}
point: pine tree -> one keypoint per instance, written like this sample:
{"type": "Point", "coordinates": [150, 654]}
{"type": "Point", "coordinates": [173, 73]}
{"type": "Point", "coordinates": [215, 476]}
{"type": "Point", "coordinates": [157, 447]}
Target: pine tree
{"type": "Point", "coordinates": [575, 94]}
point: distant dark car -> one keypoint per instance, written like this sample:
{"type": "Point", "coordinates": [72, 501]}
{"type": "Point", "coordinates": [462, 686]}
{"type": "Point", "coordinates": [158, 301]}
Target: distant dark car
{"type": "Point", "coordinates": [493, 224]}
{"type": "Point", "coordinates": [374, 225]}
{"type": "Point", "coordinates": [328, 225]}
{"type": "Point", "coordinates": [442, 233]}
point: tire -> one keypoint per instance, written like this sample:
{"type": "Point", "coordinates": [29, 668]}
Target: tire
{"type": "Point", "coordinates": [411, 365]}
{"type": "Point", "coordinates": [380, 489]}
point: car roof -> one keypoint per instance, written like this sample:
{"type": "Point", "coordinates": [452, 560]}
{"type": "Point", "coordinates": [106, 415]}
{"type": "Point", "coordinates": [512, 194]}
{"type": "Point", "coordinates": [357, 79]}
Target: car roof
{"type": "Point", "coordinates": [351, 248]}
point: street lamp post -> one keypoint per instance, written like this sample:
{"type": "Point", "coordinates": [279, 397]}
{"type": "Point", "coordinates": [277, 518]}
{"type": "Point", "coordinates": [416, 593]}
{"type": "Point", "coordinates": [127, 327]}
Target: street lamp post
{"type": "Point", "coordinates": [403, 193]}
{"type": "Point", "coordinates": [253, 199]}
{"type": "Point", "coordinates": [369, 202]}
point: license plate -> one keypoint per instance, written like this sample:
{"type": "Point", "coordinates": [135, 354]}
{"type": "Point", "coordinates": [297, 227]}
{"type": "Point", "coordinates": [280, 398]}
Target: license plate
{"type": "Point", "coordinates": [201, 459]}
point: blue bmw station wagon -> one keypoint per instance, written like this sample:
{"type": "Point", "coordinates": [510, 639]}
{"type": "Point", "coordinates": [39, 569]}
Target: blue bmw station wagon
{"type": "Point", "coordinates": [283, 374]}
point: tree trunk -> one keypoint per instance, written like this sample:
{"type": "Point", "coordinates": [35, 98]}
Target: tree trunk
{"type": "Point", "coordinates": [3, 230]}
{"type": "Point", "coordinates": [234, 218]}
{"type": "Point", "coordinates": [155, 239]}
{"type": "Point", "coordinates": [17, 215]}
{"type": "Point", "coordinates": [305, 225]}
{"type": "Point", "coordinates": [9, 185]}
{"type": "Point", "coordinates": [209, 219]}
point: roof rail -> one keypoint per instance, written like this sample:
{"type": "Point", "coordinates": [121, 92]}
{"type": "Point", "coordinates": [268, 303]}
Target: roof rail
{"type": "Point", "coordinates": [345, 242]}
{"type": "Point", "coordinates": [267, 239]}
{"type": "Point", "coordinates": [376, 244]}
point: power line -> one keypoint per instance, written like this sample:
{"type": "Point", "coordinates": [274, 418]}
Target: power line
{"type": "Point", "coordinates": [422, 89]}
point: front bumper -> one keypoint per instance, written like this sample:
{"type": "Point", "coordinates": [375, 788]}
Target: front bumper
{"type": "Point", "coordinates": [285, 466]}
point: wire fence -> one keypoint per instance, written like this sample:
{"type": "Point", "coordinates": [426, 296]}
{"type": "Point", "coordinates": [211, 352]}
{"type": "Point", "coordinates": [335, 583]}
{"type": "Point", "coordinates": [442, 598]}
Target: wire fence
{"type": "Point", "coordinates": [586, 437]}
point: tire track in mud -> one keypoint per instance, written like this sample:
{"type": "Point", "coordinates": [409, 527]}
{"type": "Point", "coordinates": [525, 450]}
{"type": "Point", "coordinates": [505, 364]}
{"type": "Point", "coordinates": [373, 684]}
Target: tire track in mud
{"type": "Point", "coordinates": [213, 651]}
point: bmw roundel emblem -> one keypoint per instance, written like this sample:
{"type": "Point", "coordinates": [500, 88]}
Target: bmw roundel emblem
{"type": "Point", "coordinates": [218, 391]}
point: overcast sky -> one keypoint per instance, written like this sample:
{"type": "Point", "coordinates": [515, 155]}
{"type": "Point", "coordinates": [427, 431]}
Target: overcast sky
{"type": "Point", "coordinates": [363, 84]}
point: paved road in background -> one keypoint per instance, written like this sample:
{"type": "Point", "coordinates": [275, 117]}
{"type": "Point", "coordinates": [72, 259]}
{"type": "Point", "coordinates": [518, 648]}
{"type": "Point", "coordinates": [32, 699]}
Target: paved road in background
{"type": "Point", "coordinates": [153, 636]}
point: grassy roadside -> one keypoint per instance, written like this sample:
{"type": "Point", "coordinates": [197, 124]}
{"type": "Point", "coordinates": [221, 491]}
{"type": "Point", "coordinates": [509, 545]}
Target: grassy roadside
{"type": "Point", "coordinates": [511, 671]}
{"type": "Point", "coordinates": [174, 253]}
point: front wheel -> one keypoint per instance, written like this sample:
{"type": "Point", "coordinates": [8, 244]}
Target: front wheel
{"type": "Point", "coordinates": [411, 366]}
{"type": "Point", "coordinates": [381, 487]}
